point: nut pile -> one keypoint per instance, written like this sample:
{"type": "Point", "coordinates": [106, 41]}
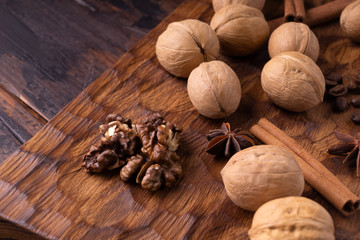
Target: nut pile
{"type": "Point", "coordinates": [145, 152]}
{"type": "Point", "coordinates": [298, 37]}
{"type": "Point", "coordinates": [293, 81]}
{"type": "Point", "coordinates": [189, 48]}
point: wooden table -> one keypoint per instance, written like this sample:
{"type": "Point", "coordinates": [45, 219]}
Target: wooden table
{"type": "Point", "coordinates": [51, 50]}
{"type": "Point", "coordinates": [54, 49]}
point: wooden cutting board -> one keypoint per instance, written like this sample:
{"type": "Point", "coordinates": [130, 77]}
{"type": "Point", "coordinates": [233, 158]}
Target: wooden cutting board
{"type": "Point", "coordinates": [43, 188]}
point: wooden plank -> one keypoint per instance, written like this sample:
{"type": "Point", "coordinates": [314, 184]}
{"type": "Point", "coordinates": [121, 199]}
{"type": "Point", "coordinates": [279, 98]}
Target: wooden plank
{"type": "Point", "coordinates": [11, 231]}
{"type": "Point", "coordinates": [44, 189]}
{"type": "Point", "coordinates": [54, 49]}
{"type": "Point", "coordinates": [8, 142]}
{"type": "Point", "coordinates": [19, 119]}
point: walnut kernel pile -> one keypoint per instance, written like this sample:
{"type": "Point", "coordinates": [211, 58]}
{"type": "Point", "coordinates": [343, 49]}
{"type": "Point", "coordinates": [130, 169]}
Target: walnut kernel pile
{"type": "Point", "coordinates": [145, 152]}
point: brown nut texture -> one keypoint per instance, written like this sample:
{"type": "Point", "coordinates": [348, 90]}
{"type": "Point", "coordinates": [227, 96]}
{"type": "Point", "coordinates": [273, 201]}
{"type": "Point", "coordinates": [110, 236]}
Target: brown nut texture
{"type": "Point", "coordinates": [218, 4]}
{"type": "Point", "coordinates": [294, 36]}
{"type": "Point", "coordinates": [293, 81]}
{"type": "Point", "coordinates": [293, 218]}
{"type": "Point", "coordinates": [241, 29]}
{"type": "Point", "coordinates": [119, 140]}
{"type": "Point", "coordinates": [261, 173]}
{"type": "Point", "coordinates": [186, 44]}
{"type": "Point", "coordinates": [350, 20]}
{"type": "Point", "coordinates": [214, 89]}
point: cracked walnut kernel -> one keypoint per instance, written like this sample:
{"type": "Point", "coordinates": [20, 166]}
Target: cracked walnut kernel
{"type": "Point", "coordinates": [146, 152]}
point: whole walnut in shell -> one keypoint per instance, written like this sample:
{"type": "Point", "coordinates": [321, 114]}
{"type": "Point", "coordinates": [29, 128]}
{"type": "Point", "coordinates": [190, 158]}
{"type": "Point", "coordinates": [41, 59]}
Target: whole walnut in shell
{"type": "Point", "coordinates": [293, 218]}
{"type": "Point", "coordinates": [218, 4]}
{"type": "Point", "coordinates": [186, 44]}
{"type": "Point", "coordinates": [214, 89]}
{"type": "Point", "coordinates": [241, 29]}
{"type": "Point", "coordinates": [261, 173]}
{"type": "Point", "coordinates": [350, 20]}
{"type": "Point", "coordinates": [294, 36]}
{"type": "Point", "coordinates": [293, 81]}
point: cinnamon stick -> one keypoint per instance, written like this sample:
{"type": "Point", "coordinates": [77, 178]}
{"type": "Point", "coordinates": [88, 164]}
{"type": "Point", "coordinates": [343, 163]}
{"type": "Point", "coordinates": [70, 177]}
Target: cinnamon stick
{"type": "Point", "coordinates": [294, 10]}
{"type": "Point", "coordinates": [318, 15]}
{"type": "Point", "coordinates": [318, 176]}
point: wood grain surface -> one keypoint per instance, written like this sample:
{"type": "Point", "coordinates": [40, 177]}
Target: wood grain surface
{"type": "Point", "coordinates": [45, 45]}
{"type": "Point", "coordinates": [51, 50]}
{"type": "Point", "coordinates": [43, 188]}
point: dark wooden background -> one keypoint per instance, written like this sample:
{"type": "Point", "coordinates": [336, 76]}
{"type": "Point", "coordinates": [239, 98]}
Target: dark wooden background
{"type": "Point", "coordinates": [50, 50]}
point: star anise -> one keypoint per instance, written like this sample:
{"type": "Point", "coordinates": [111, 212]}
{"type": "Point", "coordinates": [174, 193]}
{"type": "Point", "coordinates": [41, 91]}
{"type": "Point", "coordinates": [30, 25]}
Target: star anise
{"type": "Point", "coordinates": [350, 147]}
{"type": "Point", "coordinates": [223, 141]}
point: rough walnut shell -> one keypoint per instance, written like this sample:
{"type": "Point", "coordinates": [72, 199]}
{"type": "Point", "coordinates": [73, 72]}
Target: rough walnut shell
{"type": "Point", "coordinates": [261, 173]}
{"type": "Point", "coordinates": [350, 20]}
{"type": "Point", "coordinates": [186, 44]}
{"type": "Point", "coordinates": [294, 36]}
{"type": "Point", "coordinates": [214, 89]}
{"type": "Point", "coordinates": [293, 218]}
{"type": "Point", "coordinates": [218, 4]}
{"type": "Point", "coordinates": [241, 29]}
{"type": "Point", "coordinates": [293, 81]}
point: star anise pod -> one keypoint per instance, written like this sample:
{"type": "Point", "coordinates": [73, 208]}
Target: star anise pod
{"type": "Point", "coordinates": [223, 141]}
{"type": "Point", "coordinates": [350, 147]}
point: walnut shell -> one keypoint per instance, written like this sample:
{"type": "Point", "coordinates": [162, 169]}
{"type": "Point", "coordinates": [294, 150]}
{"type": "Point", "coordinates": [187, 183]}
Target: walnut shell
{"type": "Point", "coordinates": [186, 44]}
{"type": "Point", "coordinates": [350, 20]}
{"type": "Point", "coordinates": [218, 4]}
{"type": "Point", "coordinates": [241, 29]}
{"type": "Point", "coordinates": [293, 218]}
{"type": "Point", "coordinates": [214, 89]}
{"type": "Point", "coordinates": [293, 81]}
{"type": "Point", "coordinates": [294, 36]}
{"type": "Point", "coordinates": [261, 173]}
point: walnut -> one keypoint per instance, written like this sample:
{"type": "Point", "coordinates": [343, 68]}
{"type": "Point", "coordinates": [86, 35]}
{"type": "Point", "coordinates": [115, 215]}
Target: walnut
{"type": "Point", "coordinates": [150, 174]}
{"type": "Point", "coordinates": [158, 136]}
{"type": "Point", "coordinates": [117, 139]}
{"type": "Point", "coordinates": [294, 36]}
{"type": "Point", "coordinates": [165, 172]}
{"type": "Point", "coordinates": [146, 151]}
{"type": "Point", "coordinates": [119, 118]}
{"type": "Point", "coordinates": [292, 218]}
{"type": "Point", "coordinates": [293, 81]}
{"type": "Point", "coordinates": [261, 173]}
{"type": "Point", "coordinates": [132, 167]}
{"type": "Point", "coordinates": [152, 178]}
{"type": "Point", "coordinates": [159, 164]}
{"type": "Point", "coordinates": [214, 89]}
{"type": "Point", "coordinates": [241, 29]}
{"type": "Point", "coordinates": [186, 44]}
{"type": "Point", "coordinates": [218, 4]}
{"type": "Point", "coordinates": [350, 19]}
{"type": "Point", "coordinates": [98, 160]}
